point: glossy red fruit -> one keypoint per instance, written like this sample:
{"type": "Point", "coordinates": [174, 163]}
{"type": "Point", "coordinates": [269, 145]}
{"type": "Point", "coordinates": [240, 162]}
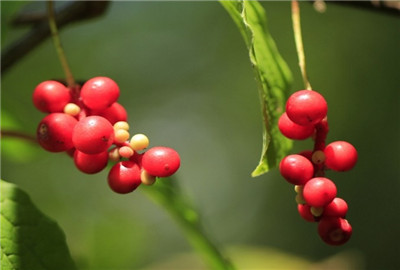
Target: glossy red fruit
{"type": "Point", "coordinates": [51, 96]}
{"type": "Point", "coordinates": [292, 130]}
{"type": "Point", "coordinates": [305, 213]}
{"type": "Point", "coordinates": [306, 107]}
{"type": "Point", "coordinates": [54, 132]}
{"type": "Point", "coordinates": [340, 156]}
{"type": "Point", "coordinates": [336, 208]}
{"type": "Point", "coordinates": [99, 93]}
{"type": "Point", "coordinates": [115, 113]}
{"type": "Point", "coordinates": [319, 191]}
{"type": "Point", "coordinates": [296, 169]}
{"type": "Point", "coordinates": [334, 230]}
{"type": "Point", "coordinates": [161, 161]}
{"type": "Point", "coordinates": [90, 164]}
{"type": "Point", "coordinates": [93, 135]}
{"type": "Point", "coordinates": [124, 177]}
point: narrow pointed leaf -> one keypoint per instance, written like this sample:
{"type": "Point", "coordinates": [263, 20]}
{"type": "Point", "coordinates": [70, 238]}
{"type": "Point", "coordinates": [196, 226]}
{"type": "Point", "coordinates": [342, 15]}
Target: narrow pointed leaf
{"type": "Point", "coordinates": [272, 74]}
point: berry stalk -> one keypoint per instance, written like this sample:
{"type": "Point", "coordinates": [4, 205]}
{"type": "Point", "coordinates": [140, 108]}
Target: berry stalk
{"type": "Point", "coordinates": [57, 43]}
{"type": "Point", "coordinates": [299, 43]}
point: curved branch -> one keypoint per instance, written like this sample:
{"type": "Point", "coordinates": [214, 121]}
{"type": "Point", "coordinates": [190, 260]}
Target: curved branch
{"type": "Point", "coordinates": [18, 134]}
{"type": "Point", "coordinates": [383, 6]}
{"type": "Point", "coordinates": [70, 12]}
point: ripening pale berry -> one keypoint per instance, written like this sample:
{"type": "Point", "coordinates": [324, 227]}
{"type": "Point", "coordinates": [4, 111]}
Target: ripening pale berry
{"type": "Point", "coordinates": [318, 157]}
{"type": "Point", "coordinates": [124, 177]}
{"type": "Point", "coordinates": [51, 96]}
{"type": "Point", "coordinates": [296, 169]}
{"type": "Point", "coordinates": [161, 161]}
{"type": "Point", "coordinates": [334, 230]}
{"type": "Point", "coordinates": [147, 179]}
{"type": "Point", "coordinates": [306, 107]}
{"type": "Point", "coordinates": [72, 109]}
{"type": "Point", "coordinates": [93, 135]}
{"type": "Point", "coordinates": [340, 156]}
{"type": "Point", "coordinates": [125, 151]}
{"type": "Point", "coordinates": [113, 154]}
{"type": "Point", "coordinates": [319, 191]}
{"type": "Point", "coordinates": [337, 208]}
{"type": "Point", "coordinates": [139, 142]}
{"type": "Point", "coordinates": [90, 163]}
{"type": "Point", "coordinates": [54, 132]}
{"type": "Point", "coordinates": [305, 212]}
{"type": "Point", "coordinates": [292, 130]}
{"type": "Point", "coordinates": [115, 113]}
{"type": "Point", "coordinates": [99, 93]}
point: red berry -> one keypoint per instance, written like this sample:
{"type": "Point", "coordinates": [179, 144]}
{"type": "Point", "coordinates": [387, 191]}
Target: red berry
{"type": "Point", "coordinates": [340, 156]}
{"type": "Point", "coordinates": [336, 208]}
{"type": "Point", "coordinates": [54, 132]}
{"type": "Point", "coordinates": [334, 230]}
{"type": "Point", "coordinates": [319, 191]}
{"type": "Point", "coordinates": [292, 130]}
{"type": "Point", "coordinates": [161, 161]}
{"type": "Point", "coordinates": [90, 163]}
{"type": "Point", "coordinates": [99, 93]}
{"type": "Point", "coordinates": [124, 177]}
{"type": "Point", "coordinates": [51, 96]}
{"type": "Point", "coordinates": [93, 135]}
{"type": "Point", "coordinates": [306, 107]}
{"type": "Point", "coordinates": [115, 113]}
{"type": "Point", "coordinates": [296, 169]}
{"type": "Point", "coordinates": [305, 213]}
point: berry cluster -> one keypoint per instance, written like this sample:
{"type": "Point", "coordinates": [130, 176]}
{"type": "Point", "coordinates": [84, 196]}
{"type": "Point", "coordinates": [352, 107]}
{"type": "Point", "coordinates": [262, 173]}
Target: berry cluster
{"type": "Point", "coordinates": [305, 117]}
{"type": "Point", "coordinates": [90, 125]}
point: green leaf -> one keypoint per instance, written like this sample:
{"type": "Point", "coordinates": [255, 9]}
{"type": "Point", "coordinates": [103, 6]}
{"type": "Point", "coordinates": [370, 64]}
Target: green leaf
{"type": "Point", "coordinates": [273, 77]}
{"type": "Point", "coordinates": [29, 239]}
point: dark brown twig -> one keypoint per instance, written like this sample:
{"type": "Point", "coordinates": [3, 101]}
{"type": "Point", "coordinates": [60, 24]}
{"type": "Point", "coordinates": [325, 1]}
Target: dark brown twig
{"type": "Point", "coordinates": [70, 12]}
{"type": "Point", "coordinates": [382, 6]}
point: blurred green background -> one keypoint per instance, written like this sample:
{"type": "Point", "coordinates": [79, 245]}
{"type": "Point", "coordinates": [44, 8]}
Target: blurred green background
{"type": "Point", "coordinates": [186, 82]}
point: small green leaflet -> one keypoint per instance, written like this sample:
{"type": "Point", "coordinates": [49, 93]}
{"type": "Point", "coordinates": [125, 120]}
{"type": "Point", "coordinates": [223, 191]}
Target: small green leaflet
{"type": "Point", "coordinates": [29, 239]}
{"type": "Point", "coordinates": [273, 77]}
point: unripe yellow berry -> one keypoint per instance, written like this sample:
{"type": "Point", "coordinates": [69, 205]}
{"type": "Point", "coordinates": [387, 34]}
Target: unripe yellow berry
{"type": "Point", "coordinates": [300, 199]}
{"type": "Point", "coordinates": [121, 135]}
{"type": "Point", "coordinates": [139, 142]}
{"type": "Point", "coordinates": [298, 188]}
{"type": "Point", "coordinates": [147, 178]}
{"type": "Point", "coordinates": [72, 109]}
{"type": "Point", "coordinates": [316, 211]}
{"type": "Point", "coordinates": [121, 125]}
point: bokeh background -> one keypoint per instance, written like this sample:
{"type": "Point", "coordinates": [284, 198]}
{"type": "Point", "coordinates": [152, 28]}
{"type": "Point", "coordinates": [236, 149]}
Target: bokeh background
{"type": "Point", "coordinates": [186, 82]}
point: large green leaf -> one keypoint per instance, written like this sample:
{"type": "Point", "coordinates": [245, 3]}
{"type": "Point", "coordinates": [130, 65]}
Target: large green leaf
{"type": "Point", "coordinates": [29, 239]}
{"type": "Point", "coordinates": [273, 77]}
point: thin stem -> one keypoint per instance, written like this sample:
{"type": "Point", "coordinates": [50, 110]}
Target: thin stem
{"type": "Point", "coordinates": [299, 43]}
{"type": "Point", "coordinates": [166, 192]}
{"type": "Point", "coordinates": [17, 134]}
{"type": "Point", "coordinates": [57, 43]}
